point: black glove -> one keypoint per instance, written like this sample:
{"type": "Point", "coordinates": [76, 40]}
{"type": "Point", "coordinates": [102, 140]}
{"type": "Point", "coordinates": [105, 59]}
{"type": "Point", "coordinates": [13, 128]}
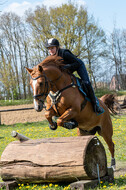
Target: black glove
{"type": "Point", "coordinates": [71, 67]}
{"type": "Point", "coordinates": [68, 66]}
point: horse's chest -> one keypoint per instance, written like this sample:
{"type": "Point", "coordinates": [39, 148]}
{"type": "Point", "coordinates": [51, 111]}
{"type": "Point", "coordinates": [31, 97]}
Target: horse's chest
{"type": "Point", "coordinates": [59, 108]}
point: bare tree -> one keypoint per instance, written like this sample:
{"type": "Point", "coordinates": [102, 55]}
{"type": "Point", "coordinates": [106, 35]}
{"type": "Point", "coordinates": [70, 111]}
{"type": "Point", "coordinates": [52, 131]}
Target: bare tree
{"type": "Point", "coordinates": [118, 55]}
{"type": "Point", "coordinates": [16, 43]}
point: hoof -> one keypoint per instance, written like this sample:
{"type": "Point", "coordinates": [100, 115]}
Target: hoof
{"type": "Point", "coordinates": [54, 126]}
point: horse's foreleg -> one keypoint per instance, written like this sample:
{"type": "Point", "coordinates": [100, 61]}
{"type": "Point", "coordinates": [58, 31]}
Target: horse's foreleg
{"type": "Point", "coordinates": [66, 119]}
{"type": "Point", "coordinates": [49, 114]}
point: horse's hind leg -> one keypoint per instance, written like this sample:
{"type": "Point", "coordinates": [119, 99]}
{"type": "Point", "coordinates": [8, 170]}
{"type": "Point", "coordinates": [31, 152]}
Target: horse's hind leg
{"type": "Point", "coordinates": [107, 135]}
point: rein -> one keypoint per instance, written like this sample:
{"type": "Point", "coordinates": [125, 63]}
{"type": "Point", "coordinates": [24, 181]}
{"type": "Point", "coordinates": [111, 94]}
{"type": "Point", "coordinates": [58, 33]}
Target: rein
{"type": "Point", "coordinates": [58, 93]}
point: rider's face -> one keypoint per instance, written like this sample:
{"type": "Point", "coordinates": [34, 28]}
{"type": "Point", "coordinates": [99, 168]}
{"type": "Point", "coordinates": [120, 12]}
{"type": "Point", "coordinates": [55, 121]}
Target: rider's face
{"type": "Point", "coordinates": [52, 50]}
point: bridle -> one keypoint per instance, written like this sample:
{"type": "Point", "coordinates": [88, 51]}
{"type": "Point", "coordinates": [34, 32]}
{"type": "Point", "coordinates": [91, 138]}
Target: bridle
{"type": "Point", "coordinates": [54, 97]}
{"type": "Point", "coordinates": [46, 88]}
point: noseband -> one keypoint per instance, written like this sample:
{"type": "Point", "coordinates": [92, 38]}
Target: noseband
{"type": "Point", "coordinates": [45, 93]}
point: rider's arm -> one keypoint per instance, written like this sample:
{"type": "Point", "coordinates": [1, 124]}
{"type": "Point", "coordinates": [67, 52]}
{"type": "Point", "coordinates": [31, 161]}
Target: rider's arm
{"type": "Point", "coordinates": [71, 61]}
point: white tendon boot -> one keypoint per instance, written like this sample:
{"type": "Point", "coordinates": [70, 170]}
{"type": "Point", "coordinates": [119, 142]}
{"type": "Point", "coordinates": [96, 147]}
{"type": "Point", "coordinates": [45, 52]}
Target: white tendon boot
{"type": "Point", "coordinates": [113, 163]}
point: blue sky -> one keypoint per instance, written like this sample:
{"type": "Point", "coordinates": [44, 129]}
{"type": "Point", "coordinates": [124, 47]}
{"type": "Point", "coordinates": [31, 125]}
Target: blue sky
{"type": "Point", "coordinates": [107, 12]}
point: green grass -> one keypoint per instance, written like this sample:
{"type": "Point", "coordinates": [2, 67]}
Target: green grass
{"type": "Point", "coordinates": [15, 102]}
{"type": "Point", "coordinates": [40, 130]}
{"type": "Point", "coordinates": [100, 92]}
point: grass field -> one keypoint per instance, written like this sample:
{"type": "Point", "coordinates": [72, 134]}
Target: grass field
{"type": "Point", "coordinates": [40, 130]}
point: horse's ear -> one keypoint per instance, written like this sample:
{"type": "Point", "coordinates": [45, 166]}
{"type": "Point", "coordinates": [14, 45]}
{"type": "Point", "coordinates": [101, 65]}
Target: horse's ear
{"type": "Point", "coordinates": [29, 70]}
{"type": "Point", "coordinates": [40, 68]}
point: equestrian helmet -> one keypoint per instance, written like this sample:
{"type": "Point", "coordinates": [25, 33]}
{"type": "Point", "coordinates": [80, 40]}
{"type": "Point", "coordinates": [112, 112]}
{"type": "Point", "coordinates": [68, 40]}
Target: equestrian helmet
{"type": "Point", "coordinates": [52, 42]}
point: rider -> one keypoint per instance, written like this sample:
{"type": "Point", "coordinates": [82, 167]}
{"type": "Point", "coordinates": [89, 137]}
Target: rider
{"type": "Point", "coordinates": [73, 63]}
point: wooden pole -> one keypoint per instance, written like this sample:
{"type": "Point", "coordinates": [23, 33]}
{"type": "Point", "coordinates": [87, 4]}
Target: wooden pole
{"type": "Point", "coordinates": [18, 109]}
{"type": "Point", "coordinates": [19, 136]}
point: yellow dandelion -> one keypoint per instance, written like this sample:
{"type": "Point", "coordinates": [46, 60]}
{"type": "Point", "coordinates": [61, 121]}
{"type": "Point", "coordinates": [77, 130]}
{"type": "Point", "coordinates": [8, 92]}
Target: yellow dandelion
{"type": "Point", "coordinates": [50, 185]}
{"type": "Point", "coordinates": [104, 186]}
{"type": "Point", "coordinates": [44, 187]}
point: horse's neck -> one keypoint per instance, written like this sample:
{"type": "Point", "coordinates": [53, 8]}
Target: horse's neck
{"type": "Point", "coordinates": [57, 78]}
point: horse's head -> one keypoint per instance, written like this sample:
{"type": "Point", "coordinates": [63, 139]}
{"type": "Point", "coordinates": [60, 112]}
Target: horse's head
{"type": "Point", "coordinates": [44, 77]}
{"type": "Point", "coordinates": [40, 86]}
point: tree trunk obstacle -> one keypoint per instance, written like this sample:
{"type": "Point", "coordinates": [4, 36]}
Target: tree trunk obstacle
{"type": "Point", "coordinates": [60, 159]}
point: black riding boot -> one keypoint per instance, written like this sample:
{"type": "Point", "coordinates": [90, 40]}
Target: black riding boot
{"type": "Point", "coordinates": [93, 99]}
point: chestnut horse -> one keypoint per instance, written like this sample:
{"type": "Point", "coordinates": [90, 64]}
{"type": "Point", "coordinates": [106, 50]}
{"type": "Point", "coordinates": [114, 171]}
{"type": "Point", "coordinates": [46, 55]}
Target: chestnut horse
{"type": "Point", "coordinates": [58, 87]}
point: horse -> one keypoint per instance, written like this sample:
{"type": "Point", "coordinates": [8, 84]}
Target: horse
{"type": "Point", "coordinates": [111, 102]}
{"type": "Point", "coordinates": [51, 82]}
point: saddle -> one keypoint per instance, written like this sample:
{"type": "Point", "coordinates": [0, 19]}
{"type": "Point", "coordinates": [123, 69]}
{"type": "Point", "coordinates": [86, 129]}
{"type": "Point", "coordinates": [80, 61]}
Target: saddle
{"type": "Point", "coordinates": [82, 88]}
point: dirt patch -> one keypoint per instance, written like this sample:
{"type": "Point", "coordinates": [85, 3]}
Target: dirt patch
{"type": "Point", "coordinates": [120, 169]}
{"type": "Point", "coordinates": [23, 116]}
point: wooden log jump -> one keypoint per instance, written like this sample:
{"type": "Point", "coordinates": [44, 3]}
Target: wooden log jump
{"type": "Point", "coordinates": [54, 160]}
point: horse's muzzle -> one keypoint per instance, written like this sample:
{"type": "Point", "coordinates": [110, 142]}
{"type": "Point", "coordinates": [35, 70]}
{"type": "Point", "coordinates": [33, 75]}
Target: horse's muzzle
{"type": "Point", "coordinates": [38, 106]}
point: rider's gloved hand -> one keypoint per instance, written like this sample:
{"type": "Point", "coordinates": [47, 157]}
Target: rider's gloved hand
{"type": "Point", "coordinates": [67, 66]}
